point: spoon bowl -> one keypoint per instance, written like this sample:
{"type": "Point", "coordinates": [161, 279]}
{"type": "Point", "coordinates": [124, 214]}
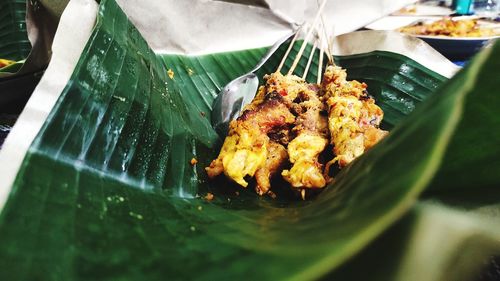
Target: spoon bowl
{"type": "Point", "coordinates": [240, 92]}
{"type": "Point", "coordinates": [231, 100]}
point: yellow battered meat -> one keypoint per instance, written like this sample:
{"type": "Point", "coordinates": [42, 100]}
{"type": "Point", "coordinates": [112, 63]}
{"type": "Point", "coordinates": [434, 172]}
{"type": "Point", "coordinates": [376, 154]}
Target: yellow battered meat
{"type": "Point", "coordinates": [245, 149]}
{"type": "Point", "coordinates": [312, 138]}
{"type": "Point", "coordinates": [290, 122]}
{"type": "Point", "coordinates": [306, 171]}
{"type": "Point", "coordinates": [276, 156]}
{"type": "Point", "coordinates": [248, 150]}
{"type": "Point", "coordinates": [353, 118]}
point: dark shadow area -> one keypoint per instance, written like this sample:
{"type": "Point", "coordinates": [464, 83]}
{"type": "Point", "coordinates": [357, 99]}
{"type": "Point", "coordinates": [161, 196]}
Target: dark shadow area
{"type": "Point", "coordinates": [14, 94]}
{"type": "Point", "coordinates": [257, 3]}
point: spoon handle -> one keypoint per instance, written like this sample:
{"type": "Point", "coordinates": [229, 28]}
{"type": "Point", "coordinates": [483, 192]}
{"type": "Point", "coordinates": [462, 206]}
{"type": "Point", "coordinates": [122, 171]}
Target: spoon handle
{"type": "Point", "coordinates": [273, 49]}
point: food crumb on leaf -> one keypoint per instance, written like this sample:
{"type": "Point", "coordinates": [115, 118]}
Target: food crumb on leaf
{"type": "Point", "coordinates": [209, 196]}
{"type": "Point", "coordinates": [170, 73]}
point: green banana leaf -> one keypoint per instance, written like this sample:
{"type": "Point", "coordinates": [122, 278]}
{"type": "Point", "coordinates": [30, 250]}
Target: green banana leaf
{"type": "Point", "coordinates": [473, 156]}
{"type": "Point", "coordinates": [468, 233]}
{"type": "Point", "coordinates": [457, 241]}
{"type": "Point", "coordinates": [14, 43]}
{"type": "Point", "coordinates": [107, 191]}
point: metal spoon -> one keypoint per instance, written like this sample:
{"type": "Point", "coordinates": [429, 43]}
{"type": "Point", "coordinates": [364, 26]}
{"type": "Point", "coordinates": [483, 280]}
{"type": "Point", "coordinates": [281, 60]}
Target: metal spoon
{"type": "Point", "coordinates": [239, 92]}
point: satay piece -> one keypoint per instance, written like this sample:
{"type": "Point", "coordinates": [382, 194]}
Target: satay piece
{"type": "Point", "coordinates": [353, 116]}
{"type": "Point", "coordinates": [276, 156]}
{"type": "Point", "coordinates": [311, 133]}
{"type": "Point", "coordinates": [247, 147]}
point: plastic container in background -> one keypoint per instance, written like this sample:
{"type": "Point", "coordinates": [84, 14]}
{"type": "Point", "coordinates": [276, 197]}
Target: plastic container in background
{"type": "Point", "coordinates": [463, 7]}
{"type": "Point", "coordinates": [486, 8]}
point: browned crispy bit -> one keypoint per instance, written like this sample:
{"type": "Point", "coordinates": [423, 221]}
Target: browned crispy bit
{"type": "Point", "coordinates": [209, 196]}
{"type": "Point", "coordinates": [216, 168]}
{"type": "Point", "coordinates": [193, 161]}
{"type": "Point", "coordinates": [373, 136]}
{"type": "Point", "coordinates": [246, 148]}
{"type": "Point", "coordinates": [276, 156]}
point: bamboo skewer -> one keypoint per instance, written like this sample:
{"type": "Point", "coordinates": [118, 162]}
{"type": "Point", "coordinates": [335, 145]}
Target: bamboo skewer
{"type": "Point", "coordinates": [304, 44]}
{"type": "Point", "coordinates": [328, 45]}
{"type": "Point", "coordinates": [288, 50]}
{"type": "Point", "coordinates": [330, 50]}
{"type": "Point", "coordinates": [311, 55]}
{"type": "Point", "coordinates": [320, 63]}
{"type": "Point", "coordinates": [325, 33]}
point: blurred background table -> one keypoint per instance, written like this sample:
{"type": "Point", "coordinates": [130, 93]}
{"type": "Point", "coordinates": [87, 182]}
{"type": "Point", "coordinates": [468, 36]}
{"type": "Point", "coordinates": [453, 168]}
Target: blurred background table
{"type": "Point", "coordinates": [459, 50]}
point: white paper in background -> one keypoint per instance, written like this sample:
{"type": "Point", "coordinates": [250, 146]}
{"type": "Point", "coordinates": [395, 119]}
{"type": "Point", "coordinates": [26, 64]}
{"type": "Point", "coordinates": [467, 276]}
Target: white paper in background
{"type": "Point", "coordinates": [410, 46]}
{"type": "Point", "coordinates": [195, 26]}
{"type": "Point", "coordinates": [203, 26]}
{"type": "Point", "coordinates": [340, 16]}
{"type": "Point", "coordinates": [67, 48]}
{"type": "Point", "coordinates": [395, 22]}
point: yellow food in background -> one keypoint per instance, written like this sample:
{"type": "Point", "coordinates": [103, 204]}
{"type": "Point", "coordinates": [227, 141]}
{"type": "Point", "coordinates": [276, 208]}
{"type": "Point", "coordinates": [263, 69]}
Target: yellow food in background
{"type": "Point", "coordinates": [451, 28]}
{"type": "Point", "coordinates": [5, 62]}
